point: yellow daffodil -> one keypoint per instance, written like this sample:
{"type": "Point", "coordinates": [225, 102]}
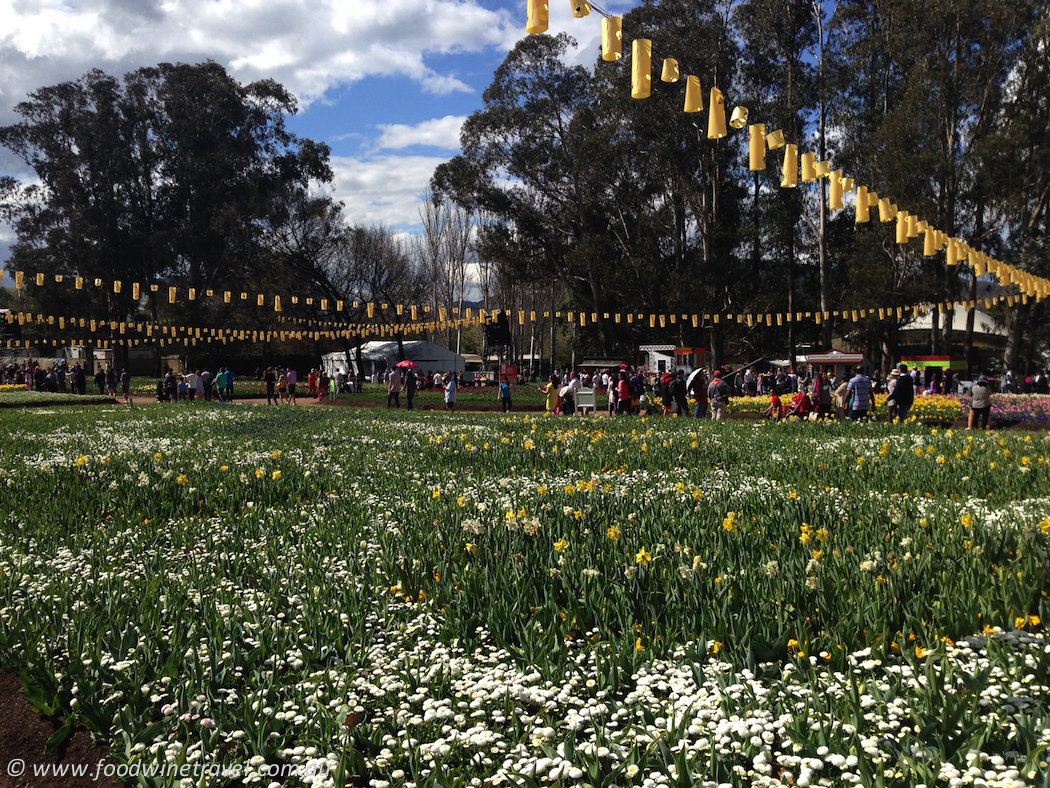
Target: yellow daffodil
{"type": "Point", "coordinates": [643, 557]}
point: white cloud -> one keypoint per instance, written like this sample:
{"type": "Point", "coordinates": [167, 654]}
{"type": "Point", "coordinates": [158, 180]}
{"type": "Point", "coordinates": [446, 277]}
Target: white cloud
{"type": "Point", "coordinates": [309, 46]}
{"type": "Point", "coordinates": [384, 190]}
{"type": "Point", "coordinates": [438, 133]}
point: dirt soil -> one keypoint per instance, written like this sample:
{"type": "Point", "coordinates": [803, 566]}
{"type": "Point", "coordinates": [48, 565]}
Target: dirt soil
{"type": "Point", "coordinates": [23, 762]}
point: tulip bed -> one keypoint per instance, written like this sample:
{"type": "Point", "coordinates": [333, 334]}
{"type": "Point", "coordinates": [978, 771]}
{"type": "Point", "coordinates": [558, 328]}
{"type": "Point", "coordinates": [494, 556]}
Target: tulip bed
{"type": "Point", "coordinates": [426, 600]}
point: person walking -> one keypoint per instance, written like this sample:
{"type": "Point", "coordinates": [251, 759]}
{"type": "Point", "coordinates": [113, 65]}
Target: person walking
{"type": "Point", "coordinates": [270, 379]}
{"type": "Point", "coordinates": [903, 395]}
{"type": "Point", "coordinates": [410, 387]}
{"type": "Point", "coordinates": [450, 390]}
{"type": "Point", "coordinates": [504, 394]}
{"type": "Point", "coordinates": [699, 392]}
{"type": "Point", "coordinates": [290, 378]}
{"type": "Point", "coordinates": [550, 391]}
{"type": "Point", "coordinates": [393, 388]}
{"type": "Point", "coordinates": [125, 385]}
{"type": "Point", "coordinates": [718, 393]}
{"type": "Point", "coordinates": [980, 403]}
{"type": "Point", "coordinates": [859, 391]}
{"type": "Point", "coordinates": [678, 394]}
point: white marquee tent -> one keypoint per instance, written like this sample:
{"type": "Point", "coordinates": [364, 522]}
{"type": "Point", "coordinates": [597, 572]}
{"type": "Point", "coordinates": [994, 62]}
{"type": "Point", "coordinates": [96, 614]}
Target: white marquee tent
{"type": "Point", "coordinates": [383, 355]}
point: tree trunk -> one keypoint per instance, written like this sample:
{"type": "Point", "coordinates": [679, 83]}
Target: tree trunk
{"type": "Point", "coordinates": [1015, 334]}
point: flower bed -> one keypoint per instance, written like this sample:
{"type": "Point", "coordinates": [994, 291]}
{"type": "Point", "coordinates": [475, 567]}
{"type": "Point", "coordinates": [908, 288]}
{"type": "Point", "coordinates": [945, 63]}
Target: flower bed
{"type": "Point", "coordinates": [471, 600]}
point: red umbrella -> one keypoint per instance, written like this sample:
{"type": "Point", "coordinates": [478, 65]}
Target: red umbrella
{"type": "Point", "coordinates": [407, 364]}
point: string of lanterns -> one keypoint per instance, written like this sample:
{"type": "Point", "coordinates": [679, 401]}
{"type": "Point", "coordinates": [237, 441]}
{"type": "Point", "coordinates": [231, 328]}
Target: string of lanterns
{"type": "Point", "coordinates": [136, 332]}
{"type": "Point", "coordinates": [908, 225]}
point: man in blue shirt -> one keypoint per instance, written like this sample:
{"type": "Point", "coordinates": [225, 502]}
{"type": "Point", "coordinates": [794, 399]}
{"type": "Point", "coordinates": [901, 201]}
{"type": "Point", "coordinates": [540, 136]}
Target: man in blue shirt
{"type": "Point", "coordinates": [859, 391]}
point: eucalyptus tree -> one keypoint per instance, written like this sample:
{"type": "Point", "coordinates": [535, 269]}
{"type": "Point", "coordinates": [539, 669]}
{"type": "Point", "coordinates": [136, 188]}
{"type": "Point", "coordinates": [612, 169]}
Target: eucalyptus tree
{"type": "Point", "coordinates": [779, 75]}
{"type": "Point", "coordinates": [923, 102]}
{"type": "Point", "coordinates": [170, 176]}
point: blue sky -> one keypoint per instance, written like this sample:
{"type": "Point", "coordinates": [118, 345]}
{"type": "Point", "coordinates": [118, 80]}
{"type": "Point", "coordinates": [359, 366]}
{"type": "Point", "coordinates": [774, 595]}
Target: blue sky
{"type": "Point", "coordinates": [386, 84]}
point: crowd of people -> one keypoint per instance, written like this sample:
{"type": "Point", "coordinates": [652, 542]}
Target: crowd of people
{"type": "Point", "coordinates": [809, 394]}
{"type": "Point", "coordinates": [803, 394]}
{"type": "Point", "coordinates": [65, 378]}
{"type": "Point", "coordinates": [408, 380]}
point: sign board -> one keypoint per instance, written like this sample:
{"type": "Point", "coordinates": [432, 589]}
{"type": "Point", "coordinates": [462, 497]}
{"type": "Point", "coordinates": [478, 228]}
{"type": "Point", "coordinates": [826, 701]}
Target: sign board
{"type": "Point", "coordinates": [508, 370]}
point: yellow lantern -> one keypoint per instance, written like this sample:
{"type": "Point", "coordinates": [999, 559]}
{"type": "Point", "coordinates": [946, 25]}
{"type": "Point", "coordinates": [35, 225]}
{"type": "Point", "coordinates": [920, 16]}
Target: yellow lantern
{"type": "Point", "coordinates": [536, 21]}
{"type": "Point", "coordinates": [835, 191]}
{"type": "Point", "coordinates": [739, 118]}
{"type": "Point", "coordinates": [822, 168]}
{"type": "Point", "coordinates": [716, 118]}
{"type": "Point", "coordinates": [884, 210]}
{"type": "Point", "coordinates": [670, 72]}
{"type": "Point", "coordinates": [641, 68]}
{"type": "Point", "coordinates": [757, 147]}
{"type": "Point", "coordinates": [953, 252]}
{"type": "Point", "coordinates": [612, 38]}
{"type": "Point", "coordinates": [809, 172]}
{"type": "Point", "coordinates": [902, 227]}
{"type": "Point", "coordinates": [775, 139]}
{"type": "Point", "coordinates": [790, 175]}
{"type": "Point", "coordinates": [580, 8]}
{"type": "Point", "coordinates": [862, 205]}
{"type": "Point", "coordinates": [694, 101]}
{"type": "Point", "coordinates": [929, 245]}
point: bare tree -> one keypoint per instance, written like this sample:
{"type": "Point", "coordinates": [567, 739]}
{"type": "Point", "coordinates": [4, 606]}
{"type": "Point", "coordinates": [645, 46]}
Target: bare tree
{"type": "Point", "coordinates": [445, 251]}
